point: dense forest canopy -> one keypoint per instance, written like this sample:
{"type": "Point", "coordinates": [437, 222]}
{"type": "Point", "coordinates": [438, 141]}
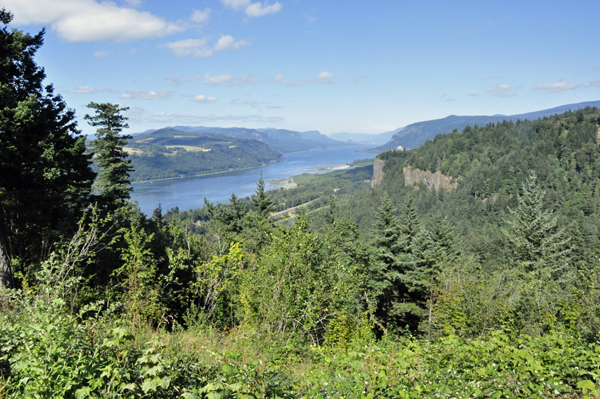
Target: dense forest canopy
{"type": "Point", "coordinates": [491, 289]}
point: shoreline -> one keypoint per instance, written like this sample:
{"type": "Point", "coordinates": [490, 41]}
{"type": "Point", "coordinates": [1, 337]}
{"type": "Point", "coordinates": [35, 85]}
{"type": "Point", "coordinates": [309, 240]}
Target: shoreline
{"type": "Point", "coordinates": [202, 174]}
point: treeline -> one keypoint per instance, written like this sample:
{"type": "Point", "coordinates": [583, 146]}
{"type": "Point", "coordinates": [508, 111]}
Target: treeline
{"type": "Point", "coordinates": [97, 300]}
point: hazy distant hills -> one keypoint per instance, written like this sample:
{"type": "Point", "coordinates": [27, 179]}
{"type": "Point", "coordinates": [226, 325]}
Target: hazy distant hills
{"type": "Point", "coordinates": [279, 140]}
{"type": "Point", "coordinates": [168, 153]}
{"type": "Point", "coordinates": [414, 135]}
{"type": "Point", "coordinates": [364, 138]}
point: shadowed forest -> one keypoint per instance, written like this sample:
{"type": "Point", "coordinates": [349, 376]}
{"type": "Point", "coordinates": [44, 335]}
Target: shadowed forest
{"type": "Point", "coordinates": [491, 289]}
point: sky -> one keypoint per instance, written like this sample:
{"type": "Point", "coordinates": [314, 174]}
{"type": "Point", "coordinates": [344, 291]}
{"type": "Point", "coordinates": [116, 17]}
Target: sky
{"type": "Point", "coordinates": [332, 66]}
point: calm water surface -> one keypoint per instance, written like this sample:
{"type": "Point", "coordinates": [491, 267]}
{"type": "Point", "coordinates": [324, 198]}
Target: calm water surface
{"type": "Point", "coordinates": [189, 193]}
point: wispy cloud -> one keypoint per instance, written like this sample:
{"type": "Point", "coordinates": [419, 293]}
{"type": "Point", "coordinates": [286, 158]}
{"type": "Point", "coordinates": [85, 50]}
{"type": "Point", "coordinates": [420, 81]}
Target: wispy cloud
{"type": "Point", "coordinates": [562, 86]}
{"type": "Point", "coordinates": [253, 9]}
{"type": "Point", "coordinates": [174, 80]}
{"type": "Point", "coordinates": [163, 117]}
{"type": "Point", "coordinates": [90, 20]}
{"type": "Point", "coordinates": [274, 106]}
{"type": "Point", "coordinates": [243, 102]}
{"type": "Point", "coordinates": [356, 79]}
{"type": "Point", "coordinates": [311, 19]}
{"type": "Point", "coordinates": [89, 90]}
{"type": "Point", "coordinates": [290, 83]}
{"type": "Point", "coordinates": [501, 90]}
{"type": "Point", "coordinates": [473, 93]}
{"type": "Point", "coordinates": [217, 80]}
{"type": "Point", "coordinates": [201, 16]}
{"type": "Point", "coordinates": [101, 54]}
{"type": "Point", "coordinates": [200, 47]}
{"type": "Point", "coordinates": [228, 79]}
{"type": "Point", "coordinates": [325, 77]}
{"type": "Point", "coordinates": [145, 95]}
{"type": "Point", "coordinates": [203, 99]}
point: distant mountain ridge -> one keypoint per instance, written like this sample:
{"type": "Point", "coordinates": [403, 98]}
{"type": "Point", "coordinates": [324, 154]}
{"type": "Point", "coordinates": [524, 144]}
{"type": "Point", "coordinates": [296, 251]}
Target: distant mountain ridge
{"type": "Point", "coordinates": [364, 138]}
{"type": "Point", "coordinates": [279, 140]}
{"type": "Point", "coordinates": [414, 135]}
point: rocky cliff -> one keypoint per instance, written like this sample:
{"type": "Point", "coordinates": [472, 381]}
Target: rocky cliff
{"type": "Point", "coordinates": [431, 180]}
{"type": "Point", "coordinates": [377, 172]}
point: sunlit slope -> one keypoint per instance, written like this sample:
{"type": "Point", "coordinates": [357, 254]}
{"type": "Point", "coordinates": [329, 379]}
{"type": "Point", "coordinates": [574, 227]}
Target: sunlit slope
{"type": "Point", "coordinates": [170, 153]}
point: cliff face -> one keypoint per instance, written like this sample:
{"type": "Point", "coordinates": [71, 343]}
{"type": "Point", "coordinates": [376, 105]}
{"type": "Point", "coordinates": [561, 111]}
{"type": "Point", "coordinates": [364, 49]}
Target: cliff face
{"type": "Point", "coordinates": [431, 180]}
{"type": "Point", "coordinates": [377, 172]}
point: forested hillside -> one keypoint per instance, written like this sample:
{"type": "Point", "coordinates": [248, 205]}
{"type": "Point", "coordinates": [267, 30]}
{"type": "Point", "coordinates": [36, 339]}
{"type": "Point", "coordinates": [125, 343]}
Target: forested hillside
{"type": "Point", "coordinates": [169, 153]}
{"type": "Point", "coordinates": [489, 290]}
{"type": "Point", "coordinates": [418, 133]}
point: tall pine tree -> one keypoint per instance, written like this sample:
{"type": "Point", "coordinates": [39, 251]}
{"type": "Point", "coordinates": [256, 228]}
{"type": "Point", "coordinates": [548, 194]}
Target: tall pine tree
{"type": "Point", "coordinates": [45, 174]}
{"type": "Point", "coordinates": [534, 232]}
{"type": "Point", "coordinates": [113, 185]}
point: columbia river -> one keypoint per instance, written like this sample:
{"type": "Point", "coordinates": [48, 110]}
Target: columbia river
{"type": "Point", "coordinates": [189, 193]}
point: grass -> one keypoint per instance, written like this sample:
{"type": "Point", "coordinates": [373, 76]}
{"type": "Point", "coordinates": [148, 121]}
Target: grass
{"type": "Point", "coordinates": [189, 148]}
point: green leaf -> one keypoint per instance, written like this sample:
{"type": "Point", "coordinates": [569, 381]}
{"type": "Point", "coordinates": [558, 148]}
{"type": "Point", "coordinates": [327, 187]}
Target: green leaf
{"type": "Point", "coordinates": [586, 384]}
{"type": "Point", "coordinates": [227, 368]}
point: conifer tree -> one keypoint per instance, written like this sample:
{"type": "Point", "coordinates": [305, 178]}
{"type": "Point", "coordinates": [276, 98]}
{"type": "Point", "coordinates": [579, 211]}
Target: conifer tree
{"type": "Point", "coordinates": [534, 232]}
{"type": "Point", "coordinates": [262, 203]}
{"type": "Point", "coordinates": [45, 174]}
{"type": "Point", "coordinates": [113, 183]}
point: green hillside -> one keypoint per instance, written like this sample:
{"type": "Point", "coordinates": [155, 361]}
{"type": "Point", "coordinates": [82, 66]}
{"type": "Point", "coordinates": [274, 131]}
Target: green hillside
{"type": "Point", "coordinates": [169, 153]}
{"type": "Point", "coordinates": [491, 163]}
{"type": "Point", "coordinates": [416, 134]}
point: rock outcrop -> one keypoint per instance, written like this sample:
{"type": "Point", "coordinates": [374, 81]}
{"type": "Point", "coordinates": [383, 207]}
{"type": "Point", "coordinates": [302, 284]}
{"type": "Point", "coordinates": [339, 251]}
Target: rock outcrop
{"type": "Point", "coordinates": [432, 180]}
{"type": "Point", "coordinates": [377, 172]}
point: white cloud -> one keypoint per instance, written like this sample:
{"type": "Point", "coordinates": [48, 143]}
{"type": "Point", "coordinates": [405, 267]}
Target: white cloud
{"type": "Point", "coordinates": [228, 43]}
{"type": "Point", "coordinates": [556, 87]}
{"type": "Point", "coordinates": [89, 90]}
{"type": "Point", "coordinates": [356, 79]}
{"type": "Point", "coordinates": [594, 83]}
{"type": "Point", "coordinates": [214, 118]}
{"type": "Point", "coordinates": [200, 16]}
{"type": "Point", "coordinates": [195, 47]}
{"type": "Point", "coordinates": [227, 79]}
{"type": "Point", "coordinates": [325, 77]}
{"type": "Point", "coordinates": [245, 80]}
{"type": "Point", "coordinates": [258, 10]}
{"type": "Point", "coordinates": [89, 20]}
{"type": "Point", "coordinates": [253, 9]}
{"type": "Point", "coordinates": [200, 48]}
{"type": "Point", "coordinates": [473, 93]}
{"type": "Point", "coordinates": [145, 95]}
{"type": "Point", "coordinates": [133, 51]}
{"type": "Point", "coordinates": [290, 83]}
{"type": "Point", "coordinates": [203, 99]}
{"type": "Point", "coordinates": [562, 86]}
{"type": "Point", "coordinates": [101, 54]}
{"type": "Point", "coordinates": [243, 102]}
{"type": "Point", "coordinates": [274, 106]}
{"type": "Point", "coordinates": [217, 80]}
{"type": "Point", "coordinates": [501, 90]}
{"type": "Point", "coordinates": [174, 80]}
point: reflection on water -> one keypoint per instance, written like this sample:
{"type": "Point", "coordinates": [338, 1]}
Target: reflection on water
{"type": "Point", "coordinates": [189, 193]}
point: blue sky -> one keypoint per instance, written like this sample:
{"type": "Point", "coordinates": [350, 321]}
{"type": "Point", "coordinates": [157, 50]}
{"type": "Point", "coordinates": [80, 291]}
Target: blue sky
{"type": "Point", "coordinates": [332, 66]}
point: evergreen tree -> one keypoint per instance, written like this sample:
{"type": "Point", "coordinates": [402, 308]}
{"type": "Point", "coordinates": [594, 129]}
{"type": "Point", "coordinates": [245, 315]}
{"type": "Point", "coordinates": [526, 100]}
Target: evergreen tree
{"type": "Point", "coordinates": [45, 174]}
{"type": "Point", "coordinates": [533, 231]}
{"type": "Point", "coordinates": [113, 183]}
{"type": "Point", "coordinates": [263, 204]}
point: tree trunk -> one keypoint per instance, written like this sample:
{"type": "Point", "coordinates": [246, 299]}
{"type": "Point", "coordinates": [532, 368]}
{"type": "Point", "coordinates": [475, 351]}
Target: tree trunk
{"type": "Point", "coordinates": [6, 272]}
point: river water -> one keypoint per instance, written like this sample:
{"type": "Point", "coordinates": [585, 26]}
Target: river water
{"type": "Point", "coordinates": [188, 193]}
